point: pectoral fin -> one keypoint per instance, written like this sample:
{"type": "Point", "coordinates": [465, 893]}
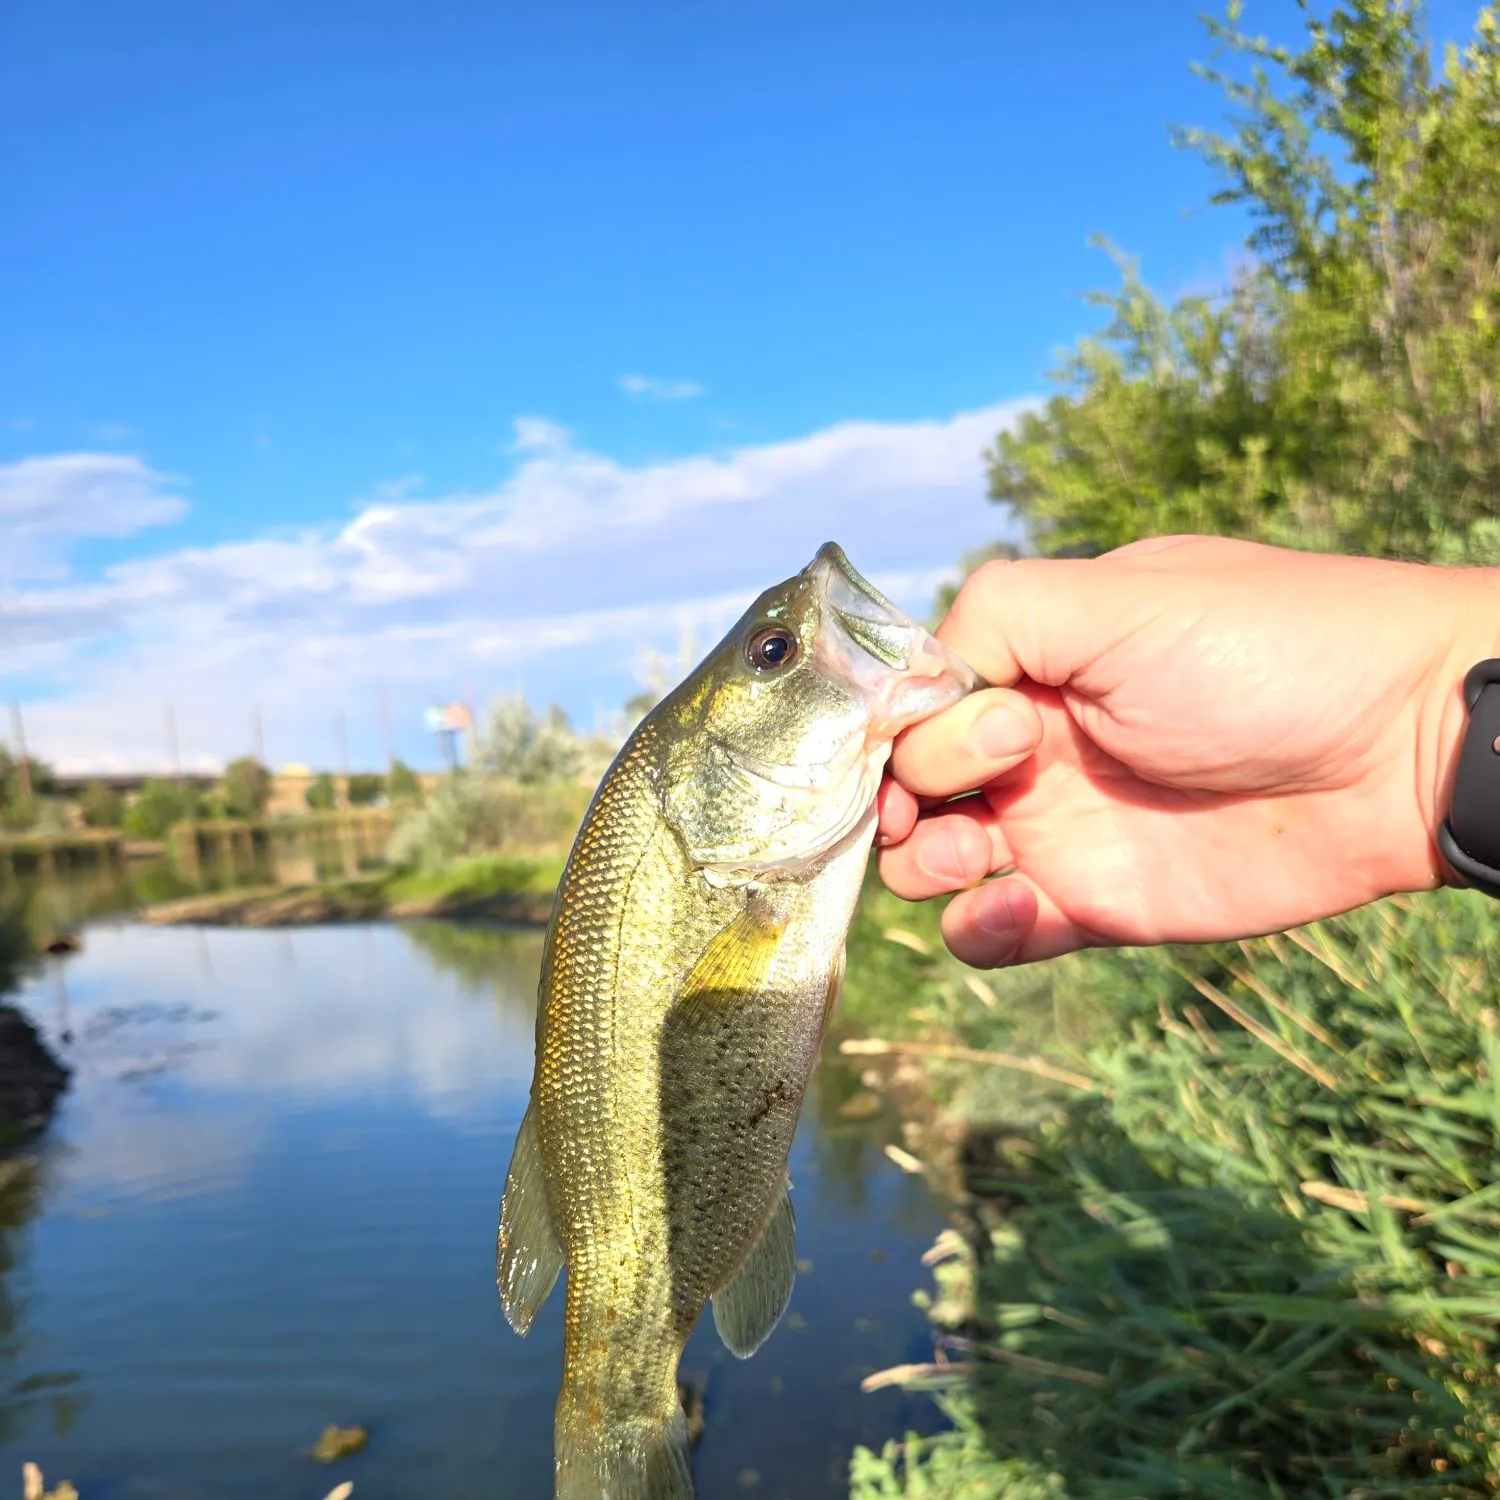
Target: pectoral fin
{"type": "Point", "coordinates": [835, 986]}
{"type": "Point", "coordinates": [736, 962]}
{"type": "Point", "coordinates": [750, 1304]}
{"type": "Point", "coordinates": [528, 1255]}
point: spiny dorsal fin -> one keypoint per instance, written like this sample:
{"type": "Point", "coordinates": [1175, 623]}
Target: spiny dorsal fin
{"type": "Point", "coordinates": [528, 1255]}
{"type": "Point", "coordinates": [750, 1304]}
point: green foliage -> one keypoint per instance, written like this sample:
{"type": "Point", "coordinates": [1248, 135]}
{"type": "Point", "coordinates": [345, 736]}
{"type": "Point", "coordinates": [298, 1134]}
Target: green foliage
{"type": "Point", "coordinates": [322, 795]}
{"type": "Point", "coordinates": [1342, 393]}
{"type": "Point", "coordinates": [472, 814]}
{"type": "Point", "coordinates": [1255, 1250]}
{"type": "Point", "coordinates": [101, 806]}
{"type": "Point", "coordinates": [525, 746]}
{"type": "Point", "coordinates": [158, 806]}
{"type": "Point", "coordinates": [245, 788]}
{"type": "Point", "coordinates": [23, 805]}
{"type": "Point", "coordinates": [365, 788]}
{"type": "Point", "coordinates": [402, 784]}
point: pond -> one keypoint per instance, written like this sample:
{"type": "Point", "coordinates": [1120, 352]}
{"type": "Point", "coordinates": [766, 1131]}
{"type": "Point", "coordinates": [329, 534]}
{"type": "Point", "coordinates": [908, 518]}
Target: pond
{"type": "Point", "coordinates": [268, 1203]}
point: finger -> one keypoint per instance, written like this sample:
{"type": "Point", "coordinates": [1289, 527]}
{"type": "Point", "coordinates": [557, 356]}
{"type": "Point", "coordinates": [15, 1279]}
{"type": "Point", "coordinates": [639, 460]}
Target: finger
{"type": "Point", "coordinates": [987, 928]}
{"type": "Point", "coordinates": [965, 746]}
{"type": "Point", "coordinates": [945, 852]}
{"type": "Point", "coordinates": [1044, 618]}
{"type": "Point", "coordinates": [1010, 921]}
{"type": "Point", "coordinates": [897, 812]}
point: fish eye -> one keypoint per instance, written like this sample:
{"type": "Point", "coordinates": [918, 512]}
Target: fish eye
{"type": "Point", "coordinates": [771, 649]}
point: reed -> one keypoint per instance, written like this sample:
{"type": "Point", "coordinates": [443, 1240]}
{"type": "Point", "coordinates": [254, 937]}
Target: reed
{"type": "Point", "coordinates": [1257, 1255]}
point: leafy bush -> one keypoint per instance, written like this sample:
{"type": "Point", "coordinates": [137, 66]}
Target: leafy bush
{"type": "Point", "coordinates": [525, 746]}
{"type": "Point", "coordinates": [322, 795]}
{"type": "Point", "coordinates": [1342, 395]}
{"type": "Point", "coordinates": [158, 806]}
{"type": "Point", "coordinates": [365, 788]}
{"type": "Point", "coordinates": [402, 784]}
{"type": "Point", "coordinates": [245, 788]}
{"type": "Point", "coordinates": [471, 814]}
{"type": "Point", "coordinates": [101, 806]}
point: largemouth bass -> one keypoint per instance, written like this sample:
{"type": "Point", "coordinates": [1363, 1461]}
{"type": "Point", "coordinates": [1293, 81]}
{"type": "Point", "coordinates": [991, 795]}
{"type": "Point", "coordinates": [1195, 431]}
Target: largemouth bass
{"type": "Point", "coordinates": [693, 959]}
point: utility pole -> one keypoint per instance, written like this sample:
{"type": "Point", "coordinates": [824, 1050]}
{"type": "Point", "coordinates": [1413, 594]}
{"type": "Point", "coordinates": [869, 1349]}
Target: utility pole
{"type": "Point", "coordinates": [343, 738]}
{"type": "Point", "coordinates": [257, 736]}
{"type": "Point", "coordinates": [23, 759]}
{"type": "Point", "coordinates": [385, 731]}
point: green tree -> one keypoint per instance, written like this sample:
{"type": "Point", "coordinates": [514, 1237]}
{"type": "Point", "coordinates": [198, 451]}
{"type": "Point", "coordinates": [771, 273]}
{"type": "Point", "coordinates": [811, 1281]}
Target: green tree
{"type": "Point", "coordinates": [526, 746]}
{"type": "Point", "coordinates": [245, 788]}
{"type": "Point", "coordinates": [402, 785]}
{"type": "Point", "coordinates": [322, 795]}
{"type": "Point", "coordinates": [158, 805]}
{"type": "Point", "coordinates": [101, 806]}
{"type": "Point", "coordinates": [1341, 393]}
{"type": "Point", "coordinates": [365, 787]}
{"type": "Point", "coordinates": [21, 795]}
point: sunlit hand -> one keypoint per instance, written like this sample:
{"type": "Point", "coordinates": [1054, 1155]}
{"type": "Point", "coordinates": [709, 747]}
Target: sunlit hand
{"type": "Point", "coordinates": [1189, 739]}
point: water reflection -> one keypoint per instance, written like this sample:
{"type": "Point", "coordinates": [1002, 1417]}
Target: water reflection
{"type": "Point", "coordinates": [269, 1205]}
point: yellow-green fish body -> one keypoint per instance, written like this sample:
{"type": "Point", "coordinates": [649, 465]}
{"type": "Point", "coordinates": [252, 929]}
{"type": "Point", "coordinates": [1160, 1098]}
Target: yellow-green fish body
{"type": "Point", "coordinates": [692, 963]}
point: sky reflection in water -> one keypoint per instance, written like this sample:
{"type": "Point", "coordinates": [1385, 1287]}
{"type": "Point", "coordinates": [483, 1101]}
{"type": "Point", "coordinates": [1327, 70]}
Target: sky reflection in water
{"type": "Point", "coordinates": [270, 1203]}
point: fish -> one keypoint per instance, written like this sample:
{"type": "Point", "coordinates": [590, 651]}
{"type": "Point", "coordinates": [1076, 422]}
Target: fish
{"type": "Point", "coordinates": [693, 959]}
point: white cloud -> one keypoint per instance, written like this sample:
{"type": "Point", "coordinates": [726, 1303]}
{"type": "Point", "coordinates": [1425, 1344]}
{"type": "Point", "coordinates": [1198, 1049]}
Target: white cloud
{"type": "Point", "coordinates": [537, 435]}
{"type": "Point", "coordinates": [654, 388]}
{"type": "Point", "coordinates": [48, 503]}
{"type": "Point", "coordinates": [557, 578]}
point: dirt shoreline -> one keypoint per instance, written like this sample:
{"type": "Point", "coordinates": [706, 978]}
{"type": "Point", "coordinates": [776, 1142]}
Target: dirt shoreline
{"type": "Point", "coordinates": [309, 906]}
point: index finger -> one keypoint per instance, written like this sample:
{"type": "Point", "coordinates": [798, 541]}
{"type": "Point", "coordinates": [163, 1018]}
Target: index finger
{"type": "Point", "coordinates": [1038, 618]}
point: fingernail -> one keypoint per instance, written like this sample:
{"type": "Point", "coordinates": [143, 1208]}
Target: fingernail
{"type": "Point", "coordinates": [1001, 732]}
{"type": "Point", "coordinates": [938, 857]}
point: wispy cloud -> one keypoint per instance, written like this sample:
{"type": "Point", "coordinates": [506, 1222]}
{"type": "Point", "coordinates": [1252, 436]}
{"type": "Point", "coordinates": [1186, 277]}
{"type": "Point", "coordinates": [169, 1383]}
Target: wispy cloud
{"type": "Point", "coordinates": [48, 503]}
{"type": "Point", "coordinates": [653, 388]}
{"type": "Point", "coordinates": [559, 575]}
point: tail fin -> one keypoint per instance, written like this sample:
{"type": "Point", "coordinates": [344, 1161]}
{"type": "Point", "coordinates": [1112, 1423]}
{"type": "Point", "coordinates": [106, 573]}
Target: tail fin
{"type": "Point", "coordinates": [608, 1457]}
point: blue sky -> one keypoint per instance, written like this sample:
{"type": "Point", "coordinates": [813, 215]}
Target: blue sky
{"type": "Point", "coordinates": [449, 347]}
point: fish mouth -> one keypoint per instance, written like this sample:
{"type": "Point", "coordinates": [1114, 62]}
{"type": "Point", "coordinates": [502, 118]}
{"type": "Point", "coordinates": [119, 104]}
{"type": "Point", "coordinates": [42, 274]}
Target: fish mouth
{"type": "Point", "coordinates": [866, 615]}
{"type": "Point", "coordinates": [904, 671]}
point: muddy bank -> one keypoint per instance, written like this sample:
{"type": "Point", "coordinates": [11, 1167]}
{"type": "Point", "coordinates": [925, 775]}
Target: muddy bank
{"type": "Point", "coordinates": [307, 906]}
{"type": "Point", "coordinates": [31, 1079]}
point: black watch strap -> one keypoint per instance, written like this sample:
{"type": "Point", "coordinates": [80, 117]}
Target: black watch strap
{"type": "Point", "coordinates": [1469, 838]}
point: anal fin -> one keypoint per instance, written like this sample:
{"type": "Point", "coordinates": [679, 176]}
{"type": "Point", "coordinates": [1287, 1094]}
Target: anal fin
{"type": "Point", "coordinates": [750, 1304]}
{"type": "Point", "coordinates": [528, 1254]}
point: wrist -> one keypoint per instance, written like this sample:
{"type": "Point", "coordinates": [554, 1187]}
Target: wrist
{"type": "Point", "coordinates": [1471, 621]}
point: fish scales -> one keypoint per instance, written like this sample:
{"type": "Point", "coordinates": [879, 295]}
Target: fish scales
{"type": "Point", "coordinates": [690, 969]}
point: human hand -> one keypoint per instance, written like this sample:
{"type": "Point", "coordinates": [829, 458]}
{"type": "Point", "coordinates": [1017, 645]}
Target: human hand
{"type": "Point", "coordinates": [1188, 739]}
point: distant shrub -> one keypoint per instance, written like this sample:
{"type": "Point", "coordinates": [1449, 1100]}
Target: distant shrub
{"type": "Point", "coordinates": [158, 806]}
{"type": "Point", "coordinates": [365, 788]}
{"type": "Point", "coordinates": [245, 788]}
{"type": "Point", "coordinates": [101, 806]}
{"type": "Point", "coordinates": [402, 784]}
{"type": "Point", "coordinates": [472, 814]}
{"type": "Point", "coordinates": [322, 794]}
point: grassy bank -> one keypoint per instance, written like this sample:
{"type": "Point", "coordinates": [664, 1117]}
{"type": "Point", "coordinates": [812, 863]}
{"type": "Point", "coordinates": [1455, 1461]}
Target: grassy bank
{"type": "Point", "coordinates": [1232, 1223]}
{"type": "Point", "coordinates": [503, 890]}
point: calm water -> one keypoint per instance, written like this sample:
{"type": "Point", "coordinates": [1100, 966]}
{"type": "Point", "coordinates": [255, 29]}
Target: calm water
{"type": "Point", "coordinates": [269, 1203]}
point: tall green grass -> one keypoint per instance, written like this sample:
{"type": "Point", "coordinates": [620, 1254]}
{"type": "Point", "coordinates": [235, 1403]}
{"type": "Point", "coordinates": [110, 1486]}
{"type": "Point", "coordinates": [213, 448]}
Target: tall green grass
{"type": "Point", "coordinates": [1253, 1250]}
